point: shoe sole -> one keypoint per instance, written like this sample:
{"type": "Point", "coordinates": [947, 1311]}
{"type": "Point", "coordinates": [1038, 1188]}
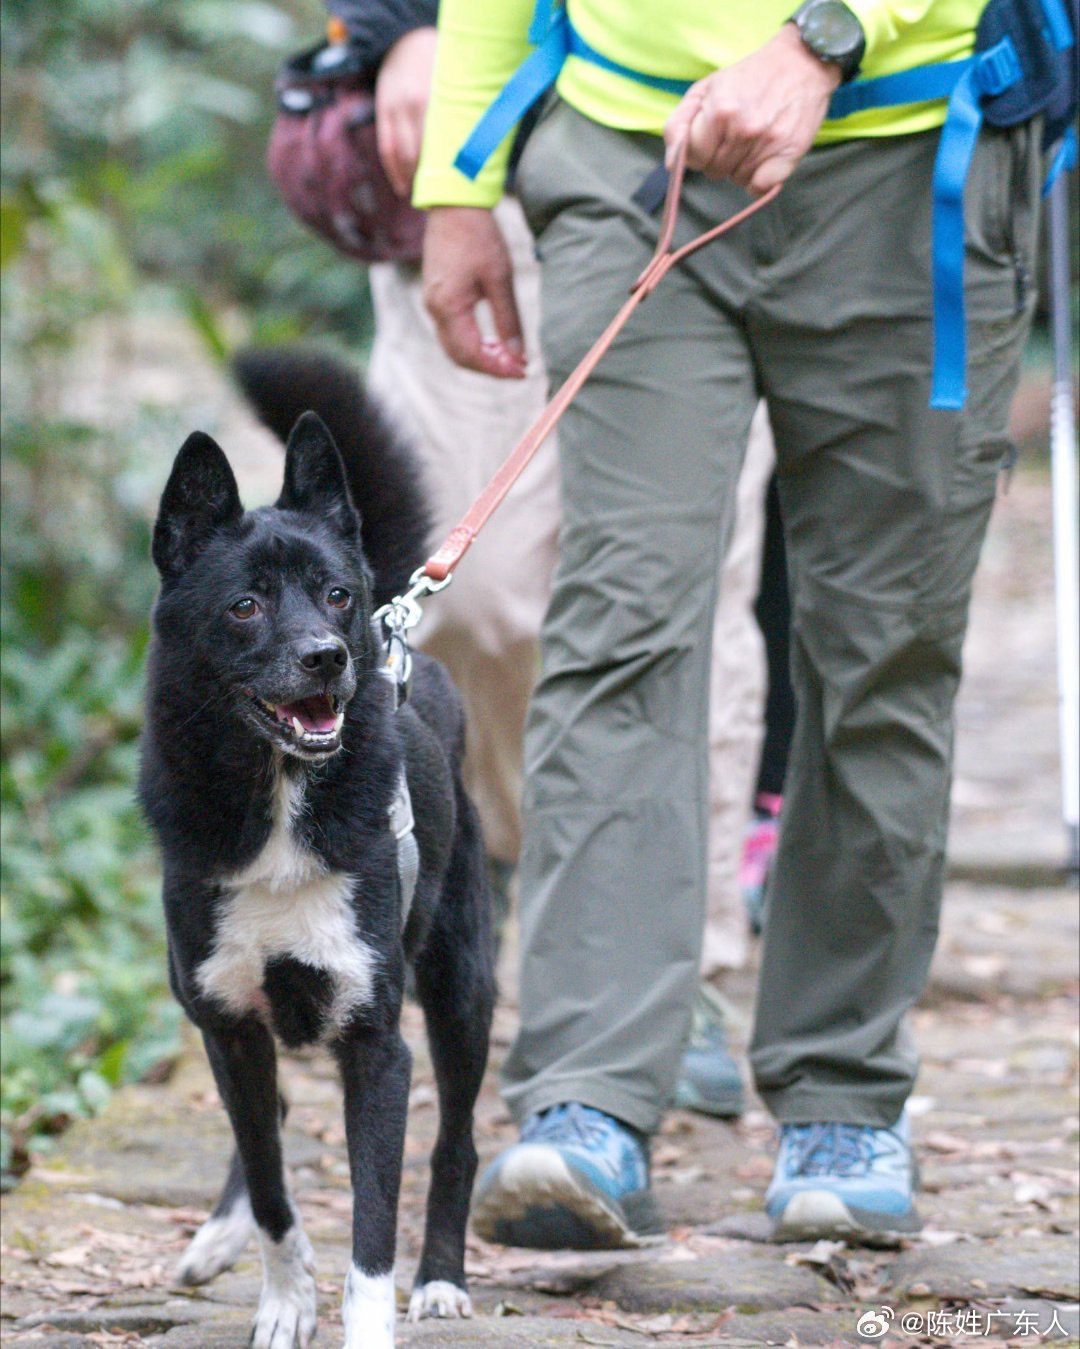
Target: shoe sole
{"type": "Point", "coordinates": [817, 1214]}
{"type": "Point", "coordinates": [536, 1200]}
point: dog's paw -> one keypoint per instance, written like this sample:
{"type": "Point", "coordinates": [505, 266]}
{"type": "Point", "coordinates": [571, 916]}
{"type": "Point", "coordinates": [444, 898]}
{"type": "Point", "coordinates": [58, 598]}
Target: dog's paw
{"type": "Point", "coordinates": [287, 1309]}
{"type": "Point", "coordinates": [217, 1245]}
{"type": "Point", "coordinates": [369, 1310]}
{"type": "Point", "coordinates": [438, 1298]}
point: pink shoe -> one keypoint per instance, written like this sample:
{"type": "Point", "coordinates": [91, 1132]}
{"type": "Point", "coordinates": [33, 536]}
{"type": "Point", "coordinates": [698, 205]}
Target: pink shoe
{"type": "Point", "coordinates": [759, 849]}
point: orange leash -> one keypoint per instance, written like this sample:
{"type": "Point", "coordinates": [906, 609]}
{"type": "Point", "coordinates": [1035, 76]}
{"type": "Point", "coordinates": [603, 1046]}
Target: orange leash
{"type": "Point", "coordinates": [437, 571]}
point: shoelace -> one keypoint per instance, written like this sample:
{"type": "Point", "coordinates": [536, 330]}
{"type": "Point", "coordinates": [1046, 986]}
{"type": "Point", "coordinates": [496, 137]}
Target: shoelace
{"type": "Point", "coordinates": [833, 1149]}
{"type": "Point", "coordinates": [570, 1123]}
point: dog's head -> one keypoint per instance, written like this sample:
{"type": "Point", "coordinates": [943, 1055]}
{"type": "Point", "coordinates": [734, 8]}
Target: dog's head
{"type": "Point", "coordinates": [264, 615]}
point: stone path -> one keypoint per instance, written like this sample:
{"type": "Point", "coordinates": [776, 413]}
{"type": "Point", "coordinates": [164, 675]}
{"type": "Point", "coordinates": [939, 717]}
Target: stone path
{"type": "Point", "coordinates": [90, 1238]}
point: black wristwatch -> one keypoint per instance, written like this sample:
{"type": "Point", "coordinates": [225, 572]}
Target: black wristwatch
{"type": "Point", "coordinates": [832, 32]}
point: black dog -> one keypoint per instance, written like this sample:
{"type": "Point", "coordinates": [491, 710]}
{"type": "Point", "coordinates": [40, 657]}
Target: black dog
{"type": "Point", "coordinates": [277, 772]}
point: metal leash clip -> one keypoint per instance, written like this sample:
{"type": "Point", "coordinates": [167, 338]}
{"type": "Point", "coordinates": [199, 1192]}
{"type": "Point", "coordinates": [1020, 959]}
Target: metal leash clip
{"type": "Point", "coordinates": [393, 621]}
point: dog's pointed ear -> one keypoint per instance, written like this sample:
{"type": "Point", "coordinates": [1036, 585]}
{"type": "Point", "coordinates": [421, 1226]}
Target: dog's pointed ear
{"type": "Point", "coordinates": [315, 478]}
{"type": "Point", "coordinates": [200, 496]}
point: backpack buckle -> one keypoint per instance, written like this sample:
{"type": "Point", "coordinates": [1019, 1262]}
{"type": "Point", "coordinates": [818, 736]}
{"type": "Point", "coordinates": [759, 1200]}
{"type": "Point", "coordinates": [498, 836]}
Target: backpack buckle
{"type": "Point", "coordinates": [998, 68]}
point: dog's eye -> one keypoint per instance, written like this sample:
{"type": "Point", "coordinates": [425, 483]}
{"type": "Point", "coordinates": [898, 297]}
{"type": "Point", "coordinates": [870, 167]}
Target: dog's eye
{"type": "Point", "coordinates": [245, 608]}
{"type": "Point", "coordinates": [339, 598]}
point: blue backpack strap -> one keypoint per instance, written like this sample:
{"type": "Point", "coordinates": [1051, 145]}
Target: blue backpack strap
{"type": "Point", "coordinates": [990, 73]}
{"type": "Point", "coordinates": [543, 18]}
{"type": "Point", "coordinates": [905, 86]}
{"type": "Point", "coordinates": [533, 78]}
{"type": "Point", "coordinates": [579, 47]}
{"type": "Point", "coordinates": [557, 38]}
{"type": "Point", "coordinates": [966, 84]}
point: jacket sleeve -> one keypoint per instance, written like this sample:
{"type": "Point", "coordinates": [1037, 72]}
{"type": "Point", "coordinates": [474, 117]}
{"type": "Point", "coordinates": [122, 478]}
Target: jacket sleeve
{"type": "Point", "coordinates": [375, 25]}
{"type": "Point", "coordinates": [481, 44]}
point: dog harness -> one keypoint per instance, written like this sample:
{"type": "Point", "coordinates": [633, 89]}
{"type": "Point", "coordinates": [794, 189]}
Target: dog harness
{"type": "Point", "coordinates": [402, 826]}
{"type": "Point", "coordinates": [396, 667]}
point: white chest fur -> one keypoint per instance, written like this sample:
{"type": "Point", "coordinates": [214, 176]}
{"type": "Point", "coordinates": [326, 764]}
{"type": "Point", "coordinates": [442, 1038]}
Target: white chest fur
{"type": "Point", "coordinates": [285, 903]}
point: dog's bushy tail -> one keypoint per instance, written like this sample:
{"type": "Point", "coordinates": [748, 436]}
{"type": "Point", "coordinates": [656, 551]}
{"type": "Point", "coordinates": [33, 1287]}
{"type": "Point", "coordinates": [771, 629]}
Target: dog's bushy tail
{"type": "Point", "coordinates": [383, 470]}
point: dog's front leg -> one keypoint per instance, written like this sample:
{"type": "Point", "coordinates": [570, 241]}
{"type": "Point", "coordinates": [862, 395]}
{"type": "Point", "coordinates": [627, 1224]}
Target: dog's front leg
{"type": "Point", "coordinates": [375, 1068]}
{"type": "Point", "coordinates": [242, 1057]}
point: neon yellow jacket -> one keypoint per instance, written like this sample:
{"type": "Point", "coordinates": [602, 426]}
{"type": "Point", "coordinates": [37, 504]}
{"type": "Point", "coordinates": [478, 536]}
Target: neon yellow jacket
{"type": "Point", "coordinates": [481, 43]}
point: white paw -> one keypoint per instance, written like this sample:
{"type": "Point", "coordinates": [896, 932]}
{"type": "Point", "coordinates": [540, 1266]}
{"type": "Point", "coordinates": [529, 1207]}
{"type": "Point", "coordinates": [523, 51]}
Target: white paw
{"type": "Point", "coordinates": [287, 1314]}
{"type": "Point", "coordinates": [438, 1298]}
{"type": "Point", "coordinates": [368, 1310]}
{"type": "Point", "coordinates": [217, 1245]}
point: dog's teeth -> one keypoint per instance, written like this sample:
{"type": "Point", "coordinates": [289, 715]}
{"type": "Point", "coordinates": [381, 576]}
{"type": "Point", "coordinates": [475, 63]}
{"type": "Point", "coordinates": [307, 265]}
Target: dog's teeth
{"type": "Point", "coordinates": [339, 721]}
{"type": "Point", "coordinates": [298, 726]}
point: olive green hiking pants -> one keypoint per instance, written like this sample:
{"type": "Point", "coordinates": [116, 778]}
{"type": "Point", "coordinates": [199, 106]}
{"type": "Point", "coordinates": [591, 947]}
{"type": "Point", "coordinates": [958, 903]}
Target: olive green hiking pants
{"type": "Point", "coordinates": [821, 303]}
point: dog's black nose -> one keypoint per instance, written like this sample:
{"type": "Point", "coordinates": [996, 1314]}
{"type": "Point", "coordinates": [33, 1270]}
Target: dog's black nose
{"type": "Point", "coordinates": [325, 656]}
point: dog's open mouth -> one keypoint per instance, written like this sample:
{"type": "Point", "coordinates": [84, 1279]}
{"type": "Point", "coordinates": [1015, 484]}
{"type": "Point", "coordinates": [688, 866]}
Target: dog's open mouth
{"type": "Point", "coordinates": [308, 723]}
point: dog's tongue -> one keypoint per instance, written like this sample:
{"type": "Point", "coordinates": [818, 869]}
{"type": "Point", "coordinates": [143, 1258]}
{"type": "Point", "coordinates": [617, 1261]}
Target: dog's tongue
{"type": "Point", "coordinates": [314, 714]}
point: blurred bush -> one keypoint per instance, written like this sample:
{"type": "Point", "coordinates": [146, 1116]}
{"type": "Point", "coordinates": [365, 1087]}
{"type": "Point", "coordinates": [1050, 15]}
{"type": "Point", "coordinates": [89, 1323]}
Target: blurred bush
{"type": "Point", "coordinates": [132, 182]}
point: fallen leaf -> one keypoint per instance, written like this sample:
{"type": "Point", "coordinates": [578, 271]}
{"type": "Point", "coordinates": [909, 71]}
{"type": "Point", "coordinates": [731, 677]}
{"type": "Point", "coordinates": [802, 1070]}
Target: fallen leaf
{"type": "Point", "coordinates": [994, 1068]}
{"type": "Point", "coordinates": [821, 1253]}
{"type": "Point", "coordinates": [943, 1142]}
{"type": "Point", "coordinates": [755, 1168]}
{"type": "Point", "coordinates": [72, 1258]}
{"type": "Point", "coordinates": [939, 1236]}
{"type": "Point", "coordinates": [984, 966]}
{"type": "Point", "coordinates": [665, 1154]}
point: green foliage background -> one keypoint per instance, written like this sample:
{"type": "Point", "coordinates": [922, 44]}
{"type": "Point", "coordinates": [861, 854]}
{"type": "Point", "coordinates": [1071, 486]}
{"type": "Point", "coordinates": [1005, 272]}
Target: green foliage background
{"type": "Point", "coordinates": [132, 185]}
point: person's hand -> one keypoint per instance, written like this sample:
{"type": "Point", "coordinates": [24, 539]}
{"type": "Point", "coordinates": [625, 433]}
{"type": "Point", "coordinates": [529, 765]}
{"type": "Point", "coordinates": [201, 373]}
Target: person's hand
{"type": "Point", "coordinates": [466, 261]}
{"type": "Point", "coordinates": [753, 121]}
{"type": "Point", "coordinates": [401, 98]}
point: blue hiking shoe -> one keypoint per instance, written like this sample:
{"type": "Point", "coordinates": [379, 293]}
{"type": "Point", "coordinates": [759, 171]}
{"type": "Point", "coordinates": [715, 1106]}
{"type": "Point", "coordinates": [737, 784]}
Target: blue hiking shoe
{"type": "Point", "coordinates": [709, 1078]}
{"type": "Point", "coordinates": [578, 1179]}
{"type": "Point", "coordinates": [846, 1181]}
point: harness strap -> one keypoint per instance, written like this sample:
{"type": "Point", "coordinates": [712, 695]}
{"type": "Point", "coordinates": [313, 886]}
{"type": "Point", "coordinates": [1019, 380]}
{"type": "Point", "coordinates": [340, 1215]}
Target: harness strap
{"type": "Point", "coordinates": [557, 38]}
{"type": "Point", "coordinates": [966, 84]}
{"type": "Point", "coordinates": [533, 78]}
{"type": "Point", "coordinates": [957, 145]}
{"type": "Point", "coordinates": [402, 826]}
{"type": "Point", "coordinates": [579, 47]}
{"type": "Point", "coordinates": [396, 667]}
{"type": "Point", "coordinates": [903, 86]}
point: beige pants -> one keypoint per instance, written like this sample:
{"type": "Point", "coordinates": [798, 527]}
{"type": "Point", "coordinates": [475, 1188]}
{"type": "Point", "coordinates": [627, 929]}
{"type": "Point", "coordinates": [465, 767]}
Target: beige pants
{"type": "Point", "coordinates": [736, 705]}
{"type": "Point", "coordinates": [485, 626]}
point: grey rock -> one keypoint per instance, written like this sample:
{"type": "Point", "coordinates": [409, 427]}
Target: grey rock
{"type": "Point", "coordinates": [990, 1269]}
{"type": "Point", "coordinates": [749, 1279]}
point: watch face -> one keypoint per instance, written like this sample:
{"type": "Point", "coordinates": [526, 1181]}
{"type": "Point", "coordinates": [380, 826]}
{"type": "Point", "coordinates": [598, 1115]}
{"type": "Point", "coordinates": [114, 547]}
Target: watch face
{"type": "Point", "coordinates": [831, 30]}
